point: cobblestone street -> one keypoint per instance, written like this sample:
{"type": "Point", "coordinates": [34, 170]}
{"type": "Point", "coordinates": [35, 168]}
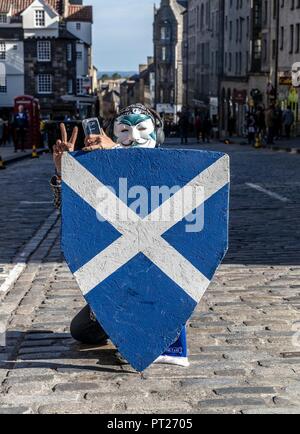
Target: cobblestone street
{"type": "Point", "coordinates": [244, 338]}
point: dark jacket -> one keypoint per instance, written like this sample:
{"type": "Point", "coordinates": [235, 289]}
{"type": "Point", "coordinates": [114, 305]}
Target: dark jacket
{"type": "Point", "coordinates": [21, 120]}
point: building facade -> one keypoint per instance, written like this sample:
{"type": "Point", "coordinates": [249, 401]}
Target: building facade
{"type": "Point", "coordinates": [51, 53]}
{"type": "Point", "coordinates": [204, 45]}
{"type": "Point", "coordinates": [262, 42]}
{"type": "Point", "coordinates": [288, 48]}
{"type": "Point", "coordinates": [168, 33]}
{"type": "Point", "coordinates": [140, 88]}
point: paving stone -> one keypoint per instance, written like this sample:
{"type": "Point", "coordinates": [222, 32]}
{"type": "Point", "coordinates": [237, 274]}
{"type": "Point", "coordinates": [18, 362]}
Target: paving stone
{"type": "Point", "coordinates": [15, 410]}
{"type": "Point", "coordinates": [77, 387]}
{"type": "Point", "coordinates": [232, 402]}
{"type": "Point", "coordinates": [245, 391]}
{"type": "Point", "coordinates": [231, 372]}
{"type": "Point", "coordinates": [278, 410]}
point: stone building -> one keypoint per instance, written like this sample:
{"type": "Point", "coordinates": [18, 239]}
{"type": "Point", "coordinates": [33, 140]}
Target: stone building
{"type": "Point", "coordinates": [47, 45]}
{"type": "Point", "coordinates": [168, 33]}
{"type": "Point", "coordinates": [237, 61]}
{"type": "Point", "coordinates": [203, 42]}
{"type": "Point", "coordinates": [254, 32]}
{"type": "Point", "coordinates": [288, 51]}
{"type": "Point", "coordinates": [140, 88]}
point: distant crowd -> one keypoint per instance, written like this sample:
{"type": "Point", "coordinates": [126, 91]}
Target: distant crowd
{"type": "Point", "coordinates": [267, 124]}
{"type": "Point", "coordinates": [199, 125]}
{"type": "Point", "coordinates": [270, 124]}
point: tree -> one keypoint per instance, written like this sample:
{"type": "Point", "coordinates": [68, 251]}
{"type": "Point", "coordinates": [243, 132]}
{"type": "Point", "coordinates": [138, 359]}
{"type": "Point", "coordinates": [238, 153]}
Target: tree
{"type": "Point", "coordinates": [104, 77]}
{"type": "Point", "coordinates": [116, 76]}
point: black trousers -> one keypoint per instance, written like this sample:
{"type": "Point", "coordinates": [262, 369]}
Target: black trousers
{"type": "Point", "coordinates": [20, 138]}
{"type": "Point", "coordinates": [86, 329]}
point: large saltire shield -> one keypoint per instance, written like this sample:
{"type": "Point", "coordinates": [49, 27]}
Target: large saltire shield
{"type": "Point", "coordinates": [143, 232]}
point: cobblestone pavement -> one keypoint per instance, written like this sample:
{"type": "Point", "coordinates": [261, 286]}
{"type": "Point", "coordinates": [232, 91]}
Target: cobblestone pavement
{"type": "Point", "coordinates": [8, 151]}
{"type": "Point", "coordinates": [244, 345]}
{"type": "Point", "coordinates": [289, 145]}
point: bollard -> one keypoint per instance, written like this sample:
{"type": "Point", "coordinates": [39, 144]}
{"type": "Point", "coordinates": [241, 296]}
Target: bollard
{"type": "Point", "coordinates": [2, 164]}
{"type": "Point", "coordinates": [258, 143]}
{"type": "Point", "coordinates": [34, 154]}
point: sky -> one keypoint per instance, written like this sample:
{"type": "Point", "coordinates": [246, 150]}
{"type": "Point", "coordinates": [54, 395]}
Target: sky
{"type": "Point", "coordinates": [122, 33]}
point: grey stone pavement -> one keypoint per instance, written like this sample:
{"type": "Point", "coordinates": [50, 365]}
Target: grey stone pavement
{"type": "Point", "coordinates": [244, 338]}
{"type": "Point", "coordinates": [7, 152]}
{"type": "Point", "coordinates": [283, 144]}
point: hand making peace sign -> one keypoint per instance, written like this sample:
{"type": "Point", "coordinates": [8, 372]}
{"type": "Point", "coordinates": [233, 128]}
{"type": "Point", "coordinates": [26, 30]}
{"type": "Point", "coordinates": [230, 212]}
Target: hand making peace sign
{"type": "Point", "coordinates": [64, 145]}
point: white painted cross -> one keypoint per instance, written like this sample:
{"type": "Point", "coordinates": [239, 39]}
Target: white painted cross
{"type": "Point", "coordinates": [143, 235]}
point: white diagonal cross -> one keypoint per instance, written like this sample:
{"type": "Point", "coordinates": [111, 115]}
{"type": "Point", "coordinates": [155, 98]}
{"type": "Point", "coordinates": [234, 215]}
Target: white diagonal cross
{"type": "Point", "coordinates": [144, 235]}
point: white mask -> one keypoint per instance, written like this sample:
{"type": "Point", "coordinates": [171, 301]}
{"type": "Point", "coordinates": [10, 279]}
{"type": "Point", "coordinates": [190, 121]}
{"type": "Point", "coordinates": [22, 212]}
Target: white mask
{"type": "Point", "coordinates": [135, 130]}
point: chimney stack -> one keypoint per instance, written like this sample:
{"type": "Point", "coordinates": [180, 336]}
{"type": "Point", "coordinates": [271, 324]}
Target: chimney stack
{"type": "Point", "coordinates": [65, 11]}
{"type": "Point", "coordinates": [142, 68]}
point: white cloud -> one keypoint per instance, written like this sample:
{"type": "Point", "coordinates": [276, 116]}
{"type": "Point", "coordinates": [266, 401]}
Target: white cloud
{"type": "Point", "coordinates": [122, 33]}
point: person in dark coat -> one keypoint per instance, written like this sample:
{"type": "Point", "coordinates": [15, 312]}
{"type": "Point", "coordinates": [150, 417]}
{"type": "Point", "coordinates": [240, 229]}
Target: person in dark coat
{"type": "Point", "coordinates": [20, 126]}
{"type": "Point", "coordinates": [206, 129]}
{"type": "Point", "coordinates": [183, 127]}
{"type": "Point", "coordinates": [198, 127]}
{"type": "Point", "coordinates": [288, 121]}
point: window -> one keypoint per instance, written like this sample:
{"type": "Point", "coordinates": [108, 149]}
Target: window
{"type": "Point", "coordinates": [78, 26]}
{"type": "Point", "coordinates": [79, 55]}
{"type": "Point", "coordinates": [291, 38]}
{"type": "Point", "coordinates": [69, 52]}
{"type": "Point", "coordinates": [3, 85]}
{"type": "Point", "coordinates": [164, 54]}
{"type": "Point", "coordinates": [3, 18]}
{"type": "Point", "coordinates": [281, 38]}
{"type": "Point", "coordinates": [44, 83]}
{"type": "Point", "coordinates": [297, 38]}
{"type": "Point", "coordinates": [79, 87]}
{"type": "Point", "coordinates": [70, 86]}
{"type": "Point", "coordinates": [39, 18]}
{"type": "Point", "coordinates": [2, 51]}
{"type": "Point", "coordinates": [44, 51]}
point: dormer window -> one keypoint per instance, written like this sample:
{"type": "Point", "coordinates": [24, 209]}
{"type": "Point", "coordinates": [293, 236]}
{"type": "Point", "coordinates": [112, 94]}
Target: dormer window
{"type": "Point", "coordinates": [3, 18]}
{"type": "Point", "coordinates": [40, 18]}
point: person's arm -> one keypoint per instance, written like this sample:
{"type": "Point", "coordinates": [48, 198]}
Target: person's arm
{"type": "Point", "coordinates": [92, 143]}
{"type": "Point", "coordinates": [59, 148]}
{"type": "Point", "coordinates": [55, 184]}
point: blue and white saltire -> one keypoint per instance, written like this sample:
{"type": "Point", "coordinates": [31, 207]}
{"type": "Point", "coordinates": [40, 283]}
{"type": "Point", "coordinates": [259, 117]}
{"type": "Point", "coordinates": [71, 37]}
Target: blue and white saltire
{"type": "Point", "coordinates": [143, 277]}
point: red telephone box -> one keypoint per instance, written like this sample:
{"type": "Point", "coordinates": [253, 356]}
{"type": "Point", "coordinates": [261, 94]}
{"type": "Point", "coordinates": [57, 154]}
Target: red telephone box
{"type": "Point", "coordinates": [32, 109]}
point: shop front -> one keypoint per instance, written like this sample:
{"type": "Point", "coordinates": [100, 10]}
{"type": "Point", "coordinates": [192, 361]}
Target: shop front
{"type": "Point", "coordinates": [289, 96]}
{"type": "Point", "coordinates": [233, 111]}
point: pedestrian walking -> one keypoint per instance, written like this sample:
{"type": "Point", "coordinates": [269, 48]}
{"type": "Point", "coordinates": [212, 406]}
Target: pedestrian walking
{"type": "Point", "coordinates": [261, 121]}
{"type": "Point", "coordinates": [288, 121]}
{"type": "Point", "coordinates": [206, 129]}
{"type": "Point", "coordinates": [1, 130]}
{"type": "Point", "coordinates": [271, 124]}
{"type": "Point", "coordinates": [251, 128]}
{"type": "Point", "coordinates": [197, 126]}
{"type": "Point", "coordinates": [231, 125]}
{"type": "Point", "coordinates": [20, 127]}
{"type": "Point", "coordinates": [183, 125]}
{"type": "Point", "coordinates": [278, 122]}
